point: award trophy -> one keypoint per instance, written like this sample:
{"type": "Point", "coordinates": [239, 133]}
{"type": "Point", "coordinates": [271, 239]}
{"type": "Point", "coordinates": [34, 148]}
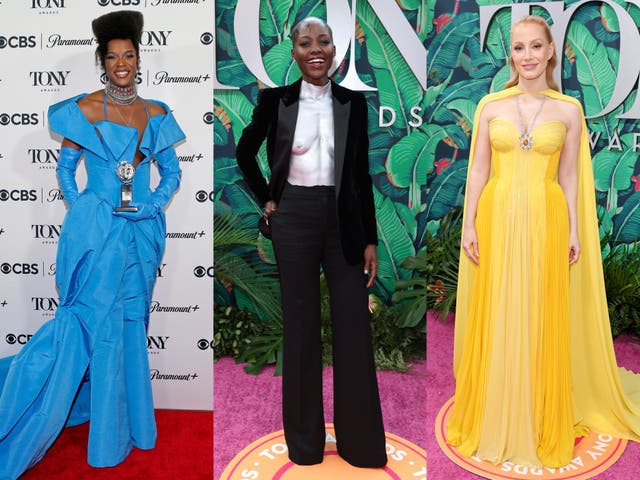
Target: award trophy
{"type": "Point", "coordinates": [125, 172]}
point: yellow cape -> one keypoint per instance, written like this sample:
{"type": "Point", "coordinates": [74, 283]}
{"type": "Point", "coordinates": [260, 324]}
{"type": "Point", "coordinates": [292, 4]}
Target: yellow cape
{"type": "Point", "coordinates": [606, 398]}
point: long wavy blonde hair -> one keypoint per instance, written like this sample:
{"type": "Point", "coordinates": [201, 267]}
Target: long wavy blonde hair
{"type": "Point", "coordinates": [553, 61]}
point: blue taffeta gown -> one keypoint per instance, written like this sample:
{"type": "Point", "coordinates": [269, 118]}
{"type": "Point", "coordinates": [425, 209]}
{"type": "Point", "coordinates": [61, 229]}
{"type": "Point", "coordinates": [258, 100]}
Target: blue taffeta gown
{"type": "Point", "coordinates": [90, 361]}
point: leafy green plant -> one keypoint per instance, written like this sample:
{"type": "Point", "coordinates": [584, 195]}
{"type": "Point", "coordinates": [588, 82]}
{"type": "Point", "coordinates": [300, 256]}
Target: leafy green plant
{"type": "Point", "coordinates": [621, 268]}
{"type": "Point", "coordinates": [240, 272]}
{"type": "Point", "coordinates": [393, 347]}
{"type": "Point", "coordinates": [233, 331]}
{"type": "Point", "coordinates": [410, 294]}
{"type": "Point", "coordinates": [443, 254]}
{"type": "Point", "coordinates": [264, 348]}
{"type": "Point", "coordinates": [241, 335]}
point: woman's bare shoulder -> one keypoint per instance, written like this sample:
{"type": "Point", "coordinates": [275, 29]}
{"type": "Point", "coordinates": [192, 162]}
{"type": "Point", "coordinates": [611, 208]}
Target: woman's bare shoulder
{"type": "Point", "coordinates": [494, 107]}
{"type": "Point", "coordinates": [92, 106]}
{"type": "Point", "coordinates": [156, 109]}
{"type": "Point", "coordinates": [568, 109]}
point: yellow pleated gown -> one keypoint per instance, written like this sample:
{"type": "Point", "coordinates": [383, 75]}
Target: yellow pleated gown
{"type": "Point", "coordinates": [534, 361]}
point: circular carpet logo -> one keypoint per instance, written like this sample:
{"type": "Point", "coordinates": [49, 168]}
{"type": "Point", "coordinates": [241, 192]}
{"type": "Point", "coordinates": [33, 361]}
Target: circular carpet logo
{"type": "Point", "coordinates": [592, 455]}
{"type": "Point", "coordinates": [266, 459]}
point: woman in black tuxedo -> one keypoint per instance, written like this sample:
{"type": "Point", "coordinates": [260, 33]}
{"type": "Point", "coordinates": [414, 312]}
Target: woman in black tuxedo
{"type": "Point", "coordinates": [319, 205]}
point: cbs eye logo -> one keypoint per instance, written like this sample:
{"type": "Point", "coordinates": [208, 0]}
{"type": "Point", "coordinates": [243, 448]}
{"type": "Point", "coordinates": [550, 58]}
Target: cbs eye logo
{"type": "Point", "coordinates": [206, 38]}
{"type": "Point", "coordinates": [204, 344]}
{"type": "Point", "coordinates": [201, 271]}
{"type": "Point", "coordinates": [104, 3]}
{"type": "Point", "coordinates": [208, 118]}
{"type": "Point", "coordinates": [202, 196]}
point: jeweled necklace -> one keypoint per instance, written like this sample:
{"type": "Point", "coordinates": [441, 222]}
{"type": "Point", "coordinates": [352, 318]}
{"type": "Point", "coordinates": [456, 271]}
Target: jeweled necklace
{"type": "Point", "coordinates": [121, 95]}
{"type": "Point", "coordinates": [526, 141]}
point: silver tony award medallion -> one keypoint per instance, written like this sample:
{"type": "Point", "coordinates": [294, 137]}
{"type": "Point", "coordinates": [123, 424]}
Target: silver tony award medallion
{"type": "Point", "coordinates": [125, 172]}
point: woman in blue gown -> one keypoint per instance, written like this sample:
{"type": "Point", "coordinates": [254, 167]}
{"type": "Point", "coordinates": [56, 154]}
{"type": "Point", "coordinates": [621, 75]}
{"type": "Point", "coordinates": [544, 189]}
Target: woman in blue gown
{"type": "Point", "coordinates": [90, 361]}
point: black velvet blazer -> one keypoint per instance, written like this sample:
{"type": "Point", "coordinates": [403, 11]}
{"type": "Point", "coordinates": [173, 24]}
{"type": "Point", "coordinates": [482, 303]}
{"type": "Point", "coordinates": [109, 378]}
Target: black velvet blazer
{"type": "Point", "coordinates": [274, 118]}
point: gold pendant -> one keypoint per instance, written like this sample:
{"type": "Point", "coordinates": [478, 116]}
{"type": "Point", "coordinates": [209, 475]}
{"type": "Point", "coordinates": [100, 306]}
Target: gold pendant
{"type": "Point", "coordinates": [526, 142]}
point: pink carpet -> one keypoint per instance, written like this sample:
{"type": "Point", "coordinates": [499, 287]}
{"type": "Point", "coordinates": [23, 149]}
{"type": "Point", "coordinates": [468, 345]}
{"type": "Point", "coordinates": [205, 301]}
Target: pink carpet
{"type": "Point", "coordinates": [441, 388]}
{"type": "Point", "coordinates": [247, 407]}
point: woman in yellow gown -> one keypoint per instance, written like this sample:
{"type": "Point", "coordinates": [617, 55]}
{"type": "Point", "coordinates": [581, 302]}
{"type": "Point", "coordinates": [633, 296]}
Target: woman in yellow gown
{"type": "Point", "coordinates": [533, 357]}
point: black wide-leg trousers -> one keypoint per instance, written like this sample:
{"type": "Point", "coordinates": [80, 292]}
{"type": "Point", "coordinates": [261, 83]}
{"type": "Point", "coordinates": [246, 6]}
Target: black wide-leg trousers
{"type": "Point", "coordinates": [305, 237]}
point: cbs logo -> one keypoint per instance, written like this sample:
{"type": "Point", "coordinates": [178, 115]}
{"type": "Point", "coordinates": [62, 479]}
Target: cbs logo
{"type": "Point", "coordinates": [104, 3]}
{"type": "Point", "coordinates": [20, 268]}
{"type": "Point", "coordinates": [18, 41]}
{"type": "Point", "coordinates": [202, 196]}
{"type": "Point", "coordinates": [204, 344]}
{"type": "Point", "coordinates": [208, 118]}
{"type": "Point", "coordinates": [20, 339]}
{"type": "Point", "coordinates": [206, 38]}
{"type": "Point", "coordinates": [19, 119]}
{"type": "Point", "coordinates": [18, 195]}
{"type": "Point", "coordinates": [201, 271]}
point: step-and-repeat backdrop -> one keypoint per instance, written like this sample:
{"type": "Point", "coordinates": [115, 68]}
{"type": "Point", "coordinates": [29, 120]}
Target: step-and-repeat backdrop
{"type": "Point", "coordinates": [597, 42]}
{"type": "Point", "coordinates": [47, 55]}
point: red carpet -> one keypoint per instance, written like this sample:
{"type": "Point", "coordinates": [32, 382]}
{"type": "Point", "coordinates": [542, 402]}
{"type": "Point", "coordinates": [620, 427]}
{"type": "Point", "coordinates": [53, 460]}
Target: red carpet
{"type": "Point", "coordinates": [441, 388]}
{"type": "Point", "coordinates": [184, 451]}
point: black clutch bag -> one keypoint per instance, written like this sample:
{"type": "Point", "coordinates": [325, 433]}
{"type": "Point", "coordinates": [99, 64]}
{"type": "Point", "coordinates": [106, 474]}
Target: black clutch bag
{"type": "Point", "coordinates": [265, 227]}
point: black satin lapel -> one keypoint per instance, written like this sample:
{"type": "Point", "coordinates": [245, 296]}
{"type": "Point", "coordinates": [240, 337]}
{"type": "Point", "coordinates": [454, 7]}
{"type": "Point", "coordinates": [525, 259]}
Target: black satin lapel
{"type": "Point", "coordinates": [287, 117]}
{"type": "Point", "coordinates": [341, 113]}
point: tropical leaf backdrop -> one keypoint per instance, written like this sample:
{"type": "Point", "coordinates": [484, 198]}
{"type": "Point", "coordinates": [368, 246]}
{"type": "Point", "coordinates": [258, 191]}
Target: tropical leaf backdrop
{"type": "Point", "coordinates": [400, 154]}
{"type": "Point", "coordinates": [460, 74]}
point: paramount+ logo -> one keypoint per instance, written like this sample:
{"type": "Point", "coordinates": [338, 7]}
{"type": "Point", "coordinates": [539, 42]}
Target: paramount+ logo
{"type": "Point", "coordinates": [19, 119]}
{"type": "Point", "coordinates": [18, 41]}
{"type": "Point", "coordinates": [54, 195]}
{"type": "Point", "coordinates": [157, 307]}
{"type": "Point", "coordinates": [155, 3]}
{"type": "Point", "coordinates": [157, 375]}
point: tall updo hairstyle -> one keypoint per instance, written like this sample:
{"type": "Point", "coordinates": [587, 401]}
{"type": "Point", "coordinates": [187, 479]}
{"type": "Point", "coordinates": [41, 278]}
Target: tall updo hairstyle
{"type": "Point", "coordinates": [553, 61]}
{"type": "Point", "coordinates": [123, 24]}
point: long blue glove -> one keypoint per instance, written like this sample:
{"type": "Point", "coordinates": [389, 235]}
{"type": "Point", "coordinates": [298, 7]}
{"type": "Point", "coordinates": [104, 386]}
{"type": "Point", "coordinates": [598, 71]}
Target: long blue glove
{"type": "Point", "coordinates": [66, 170]}
{"type": "Point", "coordinates": [170, 181]}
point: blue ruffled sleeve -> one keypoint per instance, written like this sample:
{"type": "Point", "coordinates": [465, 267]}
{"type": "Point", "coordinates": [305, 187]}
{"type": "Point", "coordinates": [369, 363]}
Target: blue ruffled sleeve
{"type": "Point", "coordinates": [66, 119]}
